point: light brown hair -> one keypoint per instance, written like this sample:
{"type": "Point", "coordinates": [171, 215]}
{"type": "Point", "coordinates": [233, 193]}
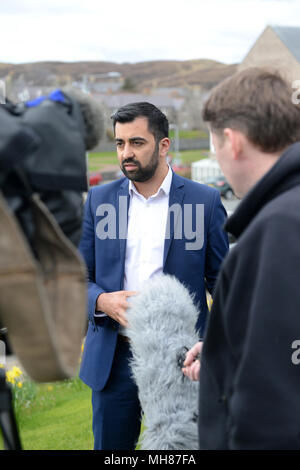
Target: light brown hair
{"type": "Point", "coordinates": [258, 103]}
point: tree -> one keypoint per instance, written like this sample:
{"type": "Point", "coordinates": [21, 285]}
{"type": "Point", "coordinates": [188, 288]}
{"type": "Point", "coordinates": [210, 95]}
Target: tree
{"type": "Point", "coordinates": [128, 85]}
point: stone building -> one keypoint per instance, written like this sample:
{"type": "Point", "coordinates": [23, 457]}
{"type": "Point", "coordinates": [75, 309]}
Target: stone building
{"type": "Point", "coordinates": [278, 47]}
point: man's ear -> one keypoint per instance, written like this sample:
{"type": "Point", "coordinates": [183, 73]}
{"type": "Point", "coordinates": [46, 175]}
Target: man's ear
{"type": "Point", "coordinates": [235, 140]}
{"type": "Point", "coordinates": [164, 146]}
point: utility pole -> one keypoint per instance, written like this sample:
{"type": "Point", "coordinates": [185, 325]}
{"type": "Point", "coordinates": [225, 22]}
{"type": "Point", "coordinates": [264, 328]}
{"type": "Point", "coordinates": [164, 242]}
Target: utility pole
{"type": "Point", "coordinates": [176, 140]}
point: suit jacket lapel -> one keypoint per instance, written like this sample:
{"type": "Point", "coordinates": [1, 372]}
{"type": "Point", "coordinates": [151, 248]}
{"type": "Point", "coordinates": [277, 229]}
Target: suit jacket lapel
{"type": "Point", "coordinates": [175, 197]}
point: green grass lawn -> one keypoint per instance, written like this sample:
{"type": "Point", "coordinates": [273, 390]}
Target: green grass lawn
{"type": "Point", "coordinates": [57, 416]}
{"type": "Point", "coordinates": [97, 161]}
{"type": "Point", "coordinates": [64, 423]}
{"type": "Point", "coordinates": [189, 156]}
{"type": "Point", "coordinates": [54, 416]}
{"type": "Point", "coordinates": [189, 134]}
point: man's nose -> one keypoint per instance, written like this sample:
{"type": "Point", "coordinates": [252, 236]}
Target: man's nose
{"type": "Point", "coordinates": [127, 151]}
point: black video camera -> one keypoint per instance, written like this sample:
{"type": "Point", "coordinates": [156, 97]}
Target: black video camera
{"type": "Point", "coordinates": [43, 176]}
{"type": "Point", "coordinates": [42, 150]}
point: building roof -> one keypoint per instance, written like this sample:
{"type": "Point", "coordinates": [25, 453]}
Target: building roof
{"type": "Point", "coordinates": [290, 36]}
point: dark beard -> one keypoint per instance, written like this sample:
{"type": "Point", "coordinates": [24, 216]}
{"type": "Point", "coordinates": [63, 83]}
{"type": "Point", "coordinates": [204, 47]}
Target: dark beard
{"type": "Point", "coordinates": [142, 174]}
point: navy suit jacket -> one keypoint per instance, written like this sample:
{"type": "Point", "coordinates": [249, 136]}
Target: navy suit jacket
{"type": "Point", "coordinates": [105, 259]}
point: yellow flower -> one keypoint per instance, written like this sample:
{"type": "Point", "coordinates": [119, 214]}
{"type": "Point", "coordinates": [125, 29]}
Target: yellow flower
{"type": "Point", "coordinates": [9, 377]}
{"type": "Point", "coordinates": [20, 384]}
{"type": "Point", "coordinates": [50, 388]}
{"type": "Point", "coordinates": [17, 371]}
{"type": "Point", "coordinates": [13, 375]}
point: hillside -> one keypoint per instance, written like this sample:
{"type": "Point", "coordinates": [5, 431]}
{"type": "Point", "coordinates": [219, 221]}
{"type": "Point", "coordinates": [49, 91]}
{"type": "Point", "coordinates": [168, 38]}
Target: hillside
{"type": "Point", "coordinates": [203, 72]}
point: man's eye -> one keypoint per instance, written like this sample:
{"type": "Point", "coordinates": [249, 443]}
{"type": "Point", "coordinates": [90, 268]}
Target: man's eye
{"type": "Point", "coordinates": [119, 144]}
{"type": "Point", "coordinates": [138, 143]}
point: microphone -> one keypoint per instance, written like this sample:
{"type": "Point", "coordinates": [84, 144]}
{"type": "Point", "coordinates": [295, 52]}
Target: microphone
{"type": "Point", "coordinates": [162, 319]}
{"type": "Point", "coordinates": [92, 114]}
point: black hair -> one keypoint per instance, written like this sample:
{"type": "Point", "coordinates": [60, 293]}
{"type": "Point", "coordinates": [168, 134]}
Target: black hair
{"type": "Point", "coordinates": [158, 124]}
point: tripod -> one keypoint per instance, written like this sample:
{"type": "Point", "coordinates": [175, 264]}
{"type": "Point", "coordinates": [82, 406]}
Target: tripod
{"type": "Point", "coordinates": [8, 423]}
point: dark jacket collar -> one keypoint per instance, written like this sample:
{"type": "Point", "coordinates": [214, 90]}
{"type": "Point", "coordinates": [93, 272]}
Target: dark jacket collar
{"type": "Point", "coordinates": [282, 176]}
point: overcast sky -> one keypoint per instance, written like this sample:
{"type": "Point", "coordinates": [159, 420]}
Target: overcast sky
{"type": "Point", "coordinates": [136, 30]}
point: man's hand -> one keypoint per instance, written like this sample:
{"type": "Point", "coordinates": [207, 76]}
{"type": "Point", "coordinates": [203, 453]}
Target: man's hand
{"type": "Point", "coordinates": [192, 365]}
{"type": "Point", "coordinates": [115, 304]}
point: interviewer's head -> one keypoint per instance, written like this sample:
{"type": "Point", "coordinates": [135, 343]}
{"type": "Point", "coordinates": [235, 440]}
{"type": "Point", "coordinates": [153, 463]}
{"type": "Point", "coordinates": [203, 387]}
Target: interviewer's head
{"type": "Point", "coordinates": [251, 113]}
{"type": "Point", "coordinates": [259, 104]}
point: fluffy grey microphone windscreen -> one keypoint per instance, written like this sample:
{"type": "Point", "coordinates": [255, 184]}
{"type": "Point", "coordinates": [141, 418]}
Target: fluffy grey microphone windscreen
{"type": "Point", "coordinates": [162, 320]}
{"type": "Point", "coordinates": [92, 114]}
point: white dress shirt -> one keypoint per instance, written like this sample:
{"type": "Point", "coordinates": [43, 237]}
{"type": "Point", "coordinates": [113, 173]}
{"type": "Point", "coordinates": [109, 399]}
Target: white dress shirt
{"type": "Point", "coordinates": [147, 220]}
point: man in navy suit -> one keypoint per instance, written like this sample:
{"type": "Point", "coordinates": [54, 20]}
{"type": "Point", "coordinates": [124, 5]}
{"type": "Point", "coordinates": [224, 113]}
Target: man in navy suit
{"type": "Point", "coordinates": [151, 221]}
